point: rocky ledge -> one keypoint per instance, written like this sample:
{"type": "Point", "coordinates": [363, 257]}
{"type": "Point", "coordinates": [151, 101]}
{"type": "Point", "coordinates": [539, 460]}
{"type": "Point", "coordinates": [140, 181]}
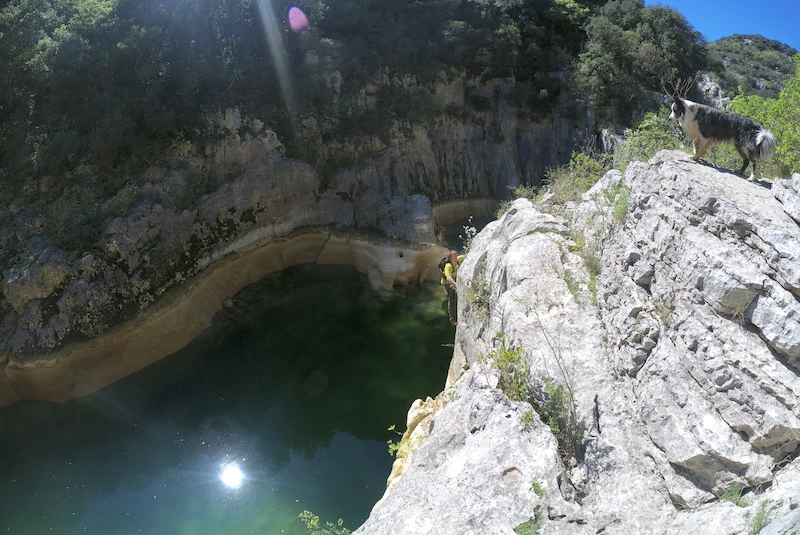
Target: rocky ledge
{"type": "Point", "coordinates": [627, 365]}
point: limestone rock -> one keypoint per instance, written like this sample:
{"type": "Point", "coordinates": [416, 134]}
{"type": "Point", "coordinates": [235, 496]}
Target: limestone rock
{"type": "Point", "coordinates": [788, 192]}
{"type": "Point", "coordinates": [682, 366]}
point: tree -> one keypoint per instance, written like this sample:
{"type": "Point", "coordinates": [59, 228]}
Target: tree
{"type": "Point", "coordinates": [630, 48]}
{"type": "Point", "coordinates": [781, 116]}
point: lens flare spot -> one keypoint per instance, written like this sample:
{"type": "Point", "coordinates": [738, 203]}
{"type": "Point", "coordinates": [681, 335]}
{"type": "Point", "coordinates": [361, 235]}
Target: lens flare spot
{"type": "Point", "coordinates": [298, 21]}
{"type": "Point", "coordinates": [231, 476]}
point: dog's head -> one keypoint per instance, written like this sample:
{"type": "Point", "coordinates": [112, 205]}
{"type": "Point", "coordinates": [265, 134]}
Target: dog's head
{"type": "Point", "coordinates": [678, 109]}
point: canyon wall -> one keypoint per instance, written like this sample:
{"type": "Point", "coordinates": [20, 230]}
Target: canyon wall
{"type": "Point", "coordinates": [69, 313]}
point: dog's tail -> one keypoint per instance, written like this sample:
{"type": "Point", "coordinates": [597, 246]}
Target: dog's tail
{"type": "Point", "coordinates": [765, 142]}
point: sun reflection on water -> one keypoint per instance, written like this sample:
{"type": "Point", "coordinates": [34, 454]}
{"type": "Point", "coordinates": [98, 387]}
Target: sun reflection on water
{"type": "Point", "coordinates": [231, 476]}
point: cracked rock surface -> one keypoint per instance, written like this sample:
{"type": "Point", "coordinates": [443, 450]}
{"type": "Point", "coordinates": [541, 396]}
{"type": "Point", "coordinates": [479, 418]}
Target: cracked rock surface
{"type": "Point", "coordinates": [682, 357]}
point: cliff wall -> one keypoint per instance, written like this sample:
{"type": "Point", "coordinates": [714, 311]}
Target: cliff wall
{"type": "Point", "coordinates": [618, 371]}
{"type": "Point", "coordinates": [77, 312]}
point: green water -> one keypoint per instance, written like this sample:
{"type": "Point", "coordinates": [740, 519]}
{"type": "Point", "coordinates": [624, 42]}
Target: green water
{"type": "Point", "coordinates": [296, 385]}
{"type": "Point", "coordinates": [455, 235]}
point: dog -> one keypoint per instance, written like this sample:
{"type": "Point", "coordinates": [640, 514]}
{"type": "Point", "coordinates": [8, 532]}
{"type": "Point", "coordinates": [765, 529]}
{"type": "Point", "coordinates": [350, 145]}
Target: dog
{"type": "Point", "coordinates": [705, 125]}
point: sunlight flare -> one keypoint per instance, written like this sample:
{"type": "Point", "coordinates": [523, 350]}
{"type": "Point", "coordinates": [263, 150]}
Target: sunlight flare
{"type": "Point", "coordinates": [232, 476]}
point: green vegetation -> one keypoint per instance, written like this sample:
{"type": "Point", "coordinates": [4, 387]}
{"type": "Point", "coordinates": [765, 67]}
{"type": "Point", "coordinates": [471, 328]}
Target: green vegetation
{"type": "Point", "coordinates": [404, 446]}
{"type": "Point", "coordinates": [119, 84]}
{"type": "Point", "coordinates": [781, 116]}
{"type": "Point", "coordinates": [312, 523]}
{"type": "Point", "coordinates": [654, 133]}
{"type": "Point", "coordinates": [734, 495]}
{"type": "Point", "coordinates": [589, 251]}
{"type": "Point", "coordinates": [758, 65]}
{"type": "Point", "coordinates": [620, 198]}
{"type": "Point", "coordinates": [469, 234]}
{"type": "Point", "coordinates": [478, 293]}
{"type": "Point", "coordinates": [528, 419]}
{"type": "Point", "coordinates": [760, 519]}
{"type": "Point", "coordinates": [532, 526]}
{"type": "Point", "coordinates": [664, 307]}
{"type": "Point", "coordinates": [630, 48]}
{"type": "Point", "coordinates": [394, 447]}
{"type": "Point", "coordinates": [537, 488]}
{"type": "Point", "coordinates": [513, 370]}
{"type": "Point", "coordinates": [557, 409]}
{"type": "Point", "coordinates": [568, 183]}
{"type": "Point", "coordinates": [556, 405]}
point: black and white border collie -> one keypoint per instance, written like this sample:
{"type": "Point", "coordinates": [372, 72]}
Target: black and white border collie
{"type": "Point", "coordinates": [705, 125]}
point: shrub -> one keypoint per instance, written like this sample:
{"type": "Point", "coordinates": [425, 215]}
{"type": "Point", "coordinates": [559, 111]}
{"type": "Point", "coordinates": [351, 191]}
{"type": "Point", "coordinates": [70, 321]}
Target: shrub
{"type": "Point", "coordinates": [760, 519]}
{"type": "Point", "coordinates": [656, 132]}
{"type": "Point", "coordinates": [513, 371]}
{"type": "Point", "coordinates": [312, 523]}
{"type": "Point", "coordinates": [568, 183]}
{"type": "Point", "coordinates": [478, 293]}
{"type": "Point", "coordinates": [734, 495]}
{"type": "Point", "coordinates": [557, 409]}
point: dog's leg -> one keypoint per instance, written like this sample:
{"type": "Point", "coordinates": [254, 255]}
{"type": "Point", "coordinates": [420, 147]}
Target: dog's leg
{"type": "Point", "coordinates": [747, 159]}
{"type": "Point", "coordinates": [753, 174]}
{"type": "Point", "coordinates": [700, 145]}
{"type": "Point", "coordinates": [697, 148]}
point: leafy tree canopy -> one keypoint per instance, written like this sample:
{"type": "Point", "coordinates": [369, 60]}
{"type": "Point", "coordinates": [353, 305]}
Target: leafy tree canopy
{"type": "Point", "coordinates": [781, 116]}
{"type": "Point", "coordinates": [631, 48]}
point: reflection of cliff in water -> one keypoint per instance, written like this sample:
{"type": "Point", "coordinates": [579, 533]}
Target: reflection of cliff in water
{"type": "Point", "coordinates": [299, 362]}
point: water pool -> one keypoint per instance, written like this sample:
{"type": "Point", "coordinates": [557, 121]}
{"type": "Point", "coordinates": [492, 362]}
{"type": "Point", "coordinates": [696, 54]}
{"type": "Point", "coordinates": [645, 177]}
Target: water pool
{"type": "Point", "coordinates": [289, 395]}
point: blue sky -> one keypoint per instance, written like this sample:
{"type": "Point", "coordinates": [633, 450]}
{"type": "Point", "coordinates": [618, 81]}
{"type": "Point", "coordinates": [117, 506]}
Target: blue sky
{"type": "Point", "coordinates": [774, 19]}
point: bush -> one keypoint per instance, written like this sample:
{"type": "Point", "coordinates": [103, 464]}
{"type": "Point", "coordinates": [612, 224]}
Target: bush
{"type": "Point", "coordinates": [557, 409]}
{"type": "Point", "coordinates": [312, 523]}
{"type": "Point", "coordinates": [656, 132]}
{"type": "Point", "coordinates": [568, 183]}
{"type": "Point", "coordinates": [781, 116]}
{"type": "Point", "coordinates": [512, 369]}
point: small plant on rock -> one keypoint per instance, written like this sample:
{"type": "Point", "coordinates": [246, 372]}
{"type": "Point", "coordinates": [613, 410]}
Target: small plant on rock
{"type": "Point", "coordinates": [512, 369]}
{"type": "Point", "coordinates": [532, 526]}
{"type": "Point", "coordinates": [469, 234]}
{"type": "Point", "coordinates": [314, 527]}
{"type": "Point", "coordinates": [478, 293]}
{"type": "Point", "coordinates": [403, 446]}
{"type": "Point", "coordinates": [528, 419]}
{"type": "Point", "coordinates": [760, 519]}
{"type": "Point", "coordinates": [734, 495]}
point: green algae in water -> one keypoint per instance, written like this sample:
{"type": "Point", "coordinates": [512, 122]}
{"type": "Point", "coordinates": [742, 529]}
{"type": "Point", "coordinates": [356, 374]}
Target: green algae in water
{"type": "Point", "coordinates": [296, 385]}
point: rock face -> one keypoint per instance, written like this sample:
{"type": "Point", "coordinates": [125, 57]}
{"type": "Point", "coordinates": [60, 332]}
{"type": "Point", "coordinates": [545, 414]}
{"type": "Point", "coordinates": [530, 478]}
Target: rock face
{"type": "Point", "coordinates": [72, 324]}
{"type": "Point", "coordinates": [169, 225]}
{"type": "Point", "coordinates": [673, 332]}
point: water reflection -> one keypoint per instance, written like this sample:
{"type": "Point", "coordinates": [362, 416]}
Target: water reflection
{"type": "Point", "coordinates": [295, 385]}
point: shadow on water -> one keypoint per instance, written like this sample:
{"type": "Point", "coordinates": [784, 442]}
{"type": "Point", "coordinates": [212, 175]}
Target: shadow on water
{"type": "Point", "coordinates": [296, 384]}
{"type": "Point", "coordinates": [455, 234]}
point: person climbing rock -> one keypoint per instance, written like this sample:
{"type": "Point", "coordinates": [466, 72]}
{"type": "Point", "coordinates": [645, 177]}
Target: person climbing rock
{"type": "Point", "coordinates": [449, 270]}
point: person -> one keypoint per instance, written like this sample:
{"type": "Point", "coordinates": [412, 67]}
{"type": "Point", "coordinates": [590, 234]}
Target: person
{"type": "Point", "coordinates": [449, 281]}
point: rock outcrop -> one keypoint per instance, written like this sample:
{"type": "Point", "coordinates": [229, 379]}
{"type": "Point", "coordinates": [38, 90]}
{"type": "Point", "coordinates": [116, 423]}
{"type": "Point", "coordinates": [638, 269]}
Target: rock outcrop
{"type": "Point", "coordinates": [670, 334]}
